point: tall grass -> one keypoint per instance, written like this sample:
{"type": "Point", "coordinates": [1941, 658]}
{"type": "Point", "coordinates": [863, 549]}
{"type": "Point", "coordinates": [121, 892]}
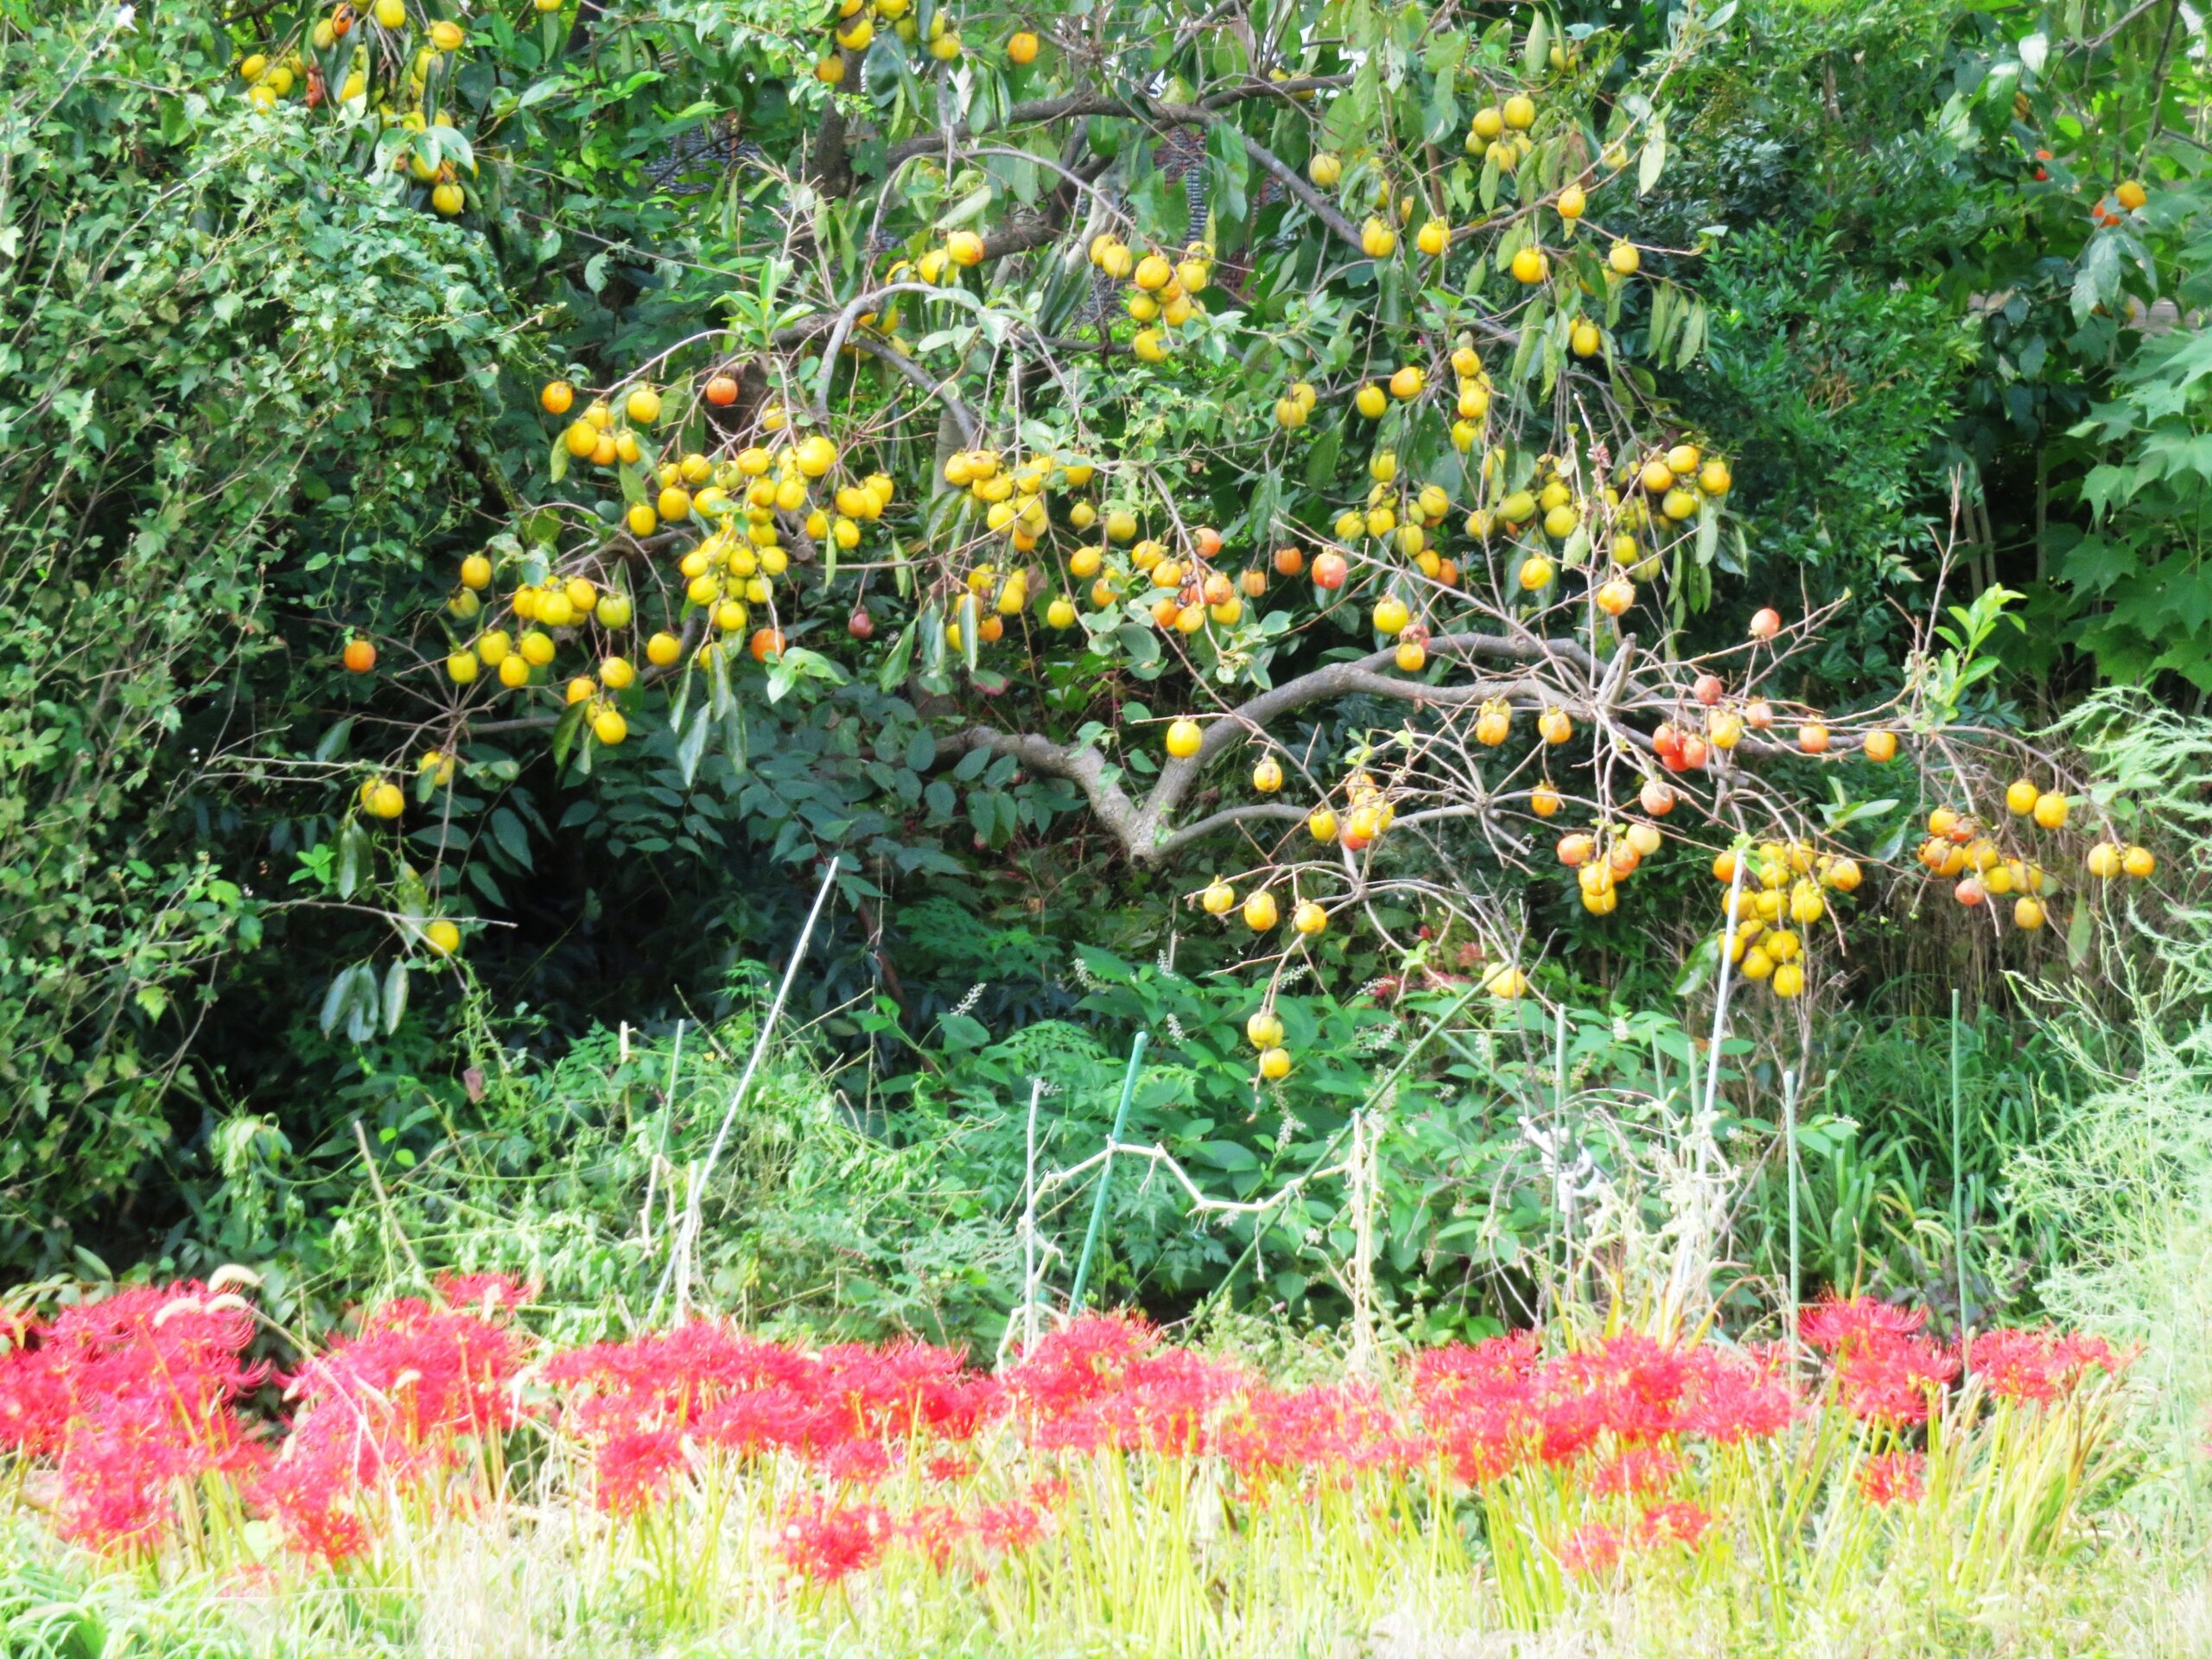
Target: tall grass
{"type": "Point", "coordinates": [439, 1481]}
{"type": "Point", "coordinates": [2123, 1174]}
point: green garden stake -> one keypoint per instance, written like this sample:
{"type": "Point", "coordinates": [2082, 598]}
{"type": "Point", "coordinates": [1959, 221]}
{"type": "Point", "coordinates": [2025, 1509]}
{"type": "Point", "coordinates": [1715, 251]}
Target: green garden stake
{"type": "Point", "coordinates": [1958, 1183]}
{"type": "Point", "coordinates": [1106, 1172]}
{"type": "Point", "coordinates": [1789, 1168]}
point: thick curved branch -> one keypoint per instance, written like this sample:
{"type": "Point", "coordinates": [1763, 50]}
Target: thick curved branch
{"type": "Point", "coordinates": [1140, 827]}
{"type": "Point", "coordinates": [1364, 674]}
{"type": "Point", "coordinates": [1086, 768]}
{"type": "Point", "coordinates": [1282, 811]}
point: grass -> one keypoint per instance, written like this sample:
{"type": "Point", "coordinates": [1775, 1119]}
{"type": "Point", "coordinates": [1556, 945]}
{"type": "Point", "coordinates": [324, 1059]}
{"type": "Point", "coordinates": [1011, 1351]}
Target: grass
{"type": "Point", "coordinates": [435, 1482]}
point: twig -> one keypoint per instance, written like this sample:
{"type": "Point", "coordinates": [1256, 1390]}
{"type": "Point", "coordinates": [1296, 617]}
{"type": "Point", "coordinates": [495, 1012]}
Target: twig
{"type": "Point", "coordinates": [383, 1202]}
{"type": "Point", "coordinates": [688, 1235]}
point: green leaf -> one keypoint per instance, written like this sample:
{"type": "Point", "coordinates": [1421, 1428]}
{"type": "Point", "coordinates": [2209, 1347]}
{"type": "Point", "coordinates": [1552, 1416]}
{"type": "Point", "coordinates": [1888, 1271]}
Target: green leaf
{"type": "Point", "coordinates": [1693, 339]}
{"type": "Point", "coordinates": [2080, 927]}
{"type": "Point", "coordinates": [356, 859]}
{"type": "Point", "coordinates": [395, 995]}
{"type": "Point", "coordinates": [507, 829]}
{"type": "Point", "coordinates": [1228, 167]}
{"type": "Point", "coordinates": [565, 731]}
{"type": "Point", "coordinates": [1141, 644]}
{"type": "Point", "coordinates": [692, 746]}
{"type": "Point", "coordinates": [1321, 460]}
{"type": "Point", "coordinates": [1653, 158]}
{"type": "Point", "coordinates": [1536, 56]}
{"type": "Point", "coordinates": [2097, 280]}
{"type": "Point", "coordinates": [803, 663]}
{"type": "Point", "coordinates": [1226, 1155]}
{"type": "Point", "coordinates": [720, 698]}
{"type": "Point", "coordinates": [895, 661]}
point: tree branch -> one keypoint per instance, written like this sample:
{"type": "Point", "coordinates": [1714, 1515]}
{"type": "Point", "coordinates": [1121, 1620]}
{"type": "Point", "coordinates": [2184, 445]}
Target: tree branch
{"type": "Point", "coordinates": [1030, 114]}
{"type": "Point", "coordinates": [1311, 200]}
{"type": "Point", "coordinates": [1086, 768]}
{"type": "Point", "coordinates": [1282, 811]}
{"type": "Point", "coordinates": [1140, 826]}
{"type": "Point", "coordinates": [1038, 111]}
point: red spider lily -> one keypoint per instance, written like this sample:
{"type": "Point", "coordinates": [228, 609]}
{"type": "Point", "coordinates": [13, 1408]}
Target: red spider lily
{"type": "Point", "coordinates": [1632, 1384]}
{"type": "Point", "coordinates": [1892, 1478]}
{"type": "Point", "coordinates": [1049, 1492]}
{"type": "Point", "coordinates": [2040, 1366]}
{"type": "Point", "coordinates": [1444, 1377]}
{"type": "Point", "coordinates": [857, 1463]}
{"type": "Point", "coordinates": [1729, 1400]}
{"type": "Point", "coordinates": [1892, 1379]}
{"type": "Point", "coordinates": [1835, 1323]}
{"type": "Point", "coordinates": [418, 1378]}
{"type": "Point", "coordinates": [1637, 1473]}
{"type": "Point", "coordinates": [758, 1421]}
{"type": "Point", "coordinates": [935, 1529]}
{"type": "Point", "coordinates": [633, 1468]}
{"type": "Point", "coordinates": [826, 1542]}
{"type": "Point", "coordinates": [396, 1404]}
{"type": "Point", "coordinates": [1481, 1405]}
{"type": "Point", "coordinates": [34, 1400]}
{"type": "Point", "coordinates": [1672, 1523]}
{"type": "Point", "coordinates": [135, 1399]}
{"type": "Point", "coordinates": [670, 1375]}
{"type": "Point", "coordinates": [1591, 1550]}
{"type": "Point", "coordinates": [134, 1396]}
{"type": "Point", "coordinates": [1011, 1528]}
{"type": "Point", "coordinates": [951, 1468]}
{"type": "Point", "coordinates": [905, 1388]}
{"type": "Point", "coordinates": [1162, 1406]}
{"type": "Point", "coordinates": [1333, 1431]}
{"type": "Point", "coordinates": [1069, 1369]}
{"type": "Point", "coordinates": [120, 1469]}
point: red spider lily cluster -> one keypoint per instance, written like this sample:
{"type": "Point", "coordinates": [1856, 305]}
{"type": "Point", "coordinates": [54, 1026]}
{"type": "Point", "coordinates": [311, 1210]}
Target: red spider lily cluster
{"type": "Point", "coordinates": [129, 1398]}
{"type": "Point", "coordinates": [142, 1397]}
{"type": "Point", "coordinates": [409, 1399]}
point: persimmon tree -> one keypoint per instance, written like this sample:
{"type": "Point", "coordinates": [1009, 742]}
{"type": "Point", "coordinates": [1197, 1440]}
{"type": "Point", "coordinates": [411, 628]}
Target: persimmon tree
{"type": "Point", "coordinates": [1249, 421]}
